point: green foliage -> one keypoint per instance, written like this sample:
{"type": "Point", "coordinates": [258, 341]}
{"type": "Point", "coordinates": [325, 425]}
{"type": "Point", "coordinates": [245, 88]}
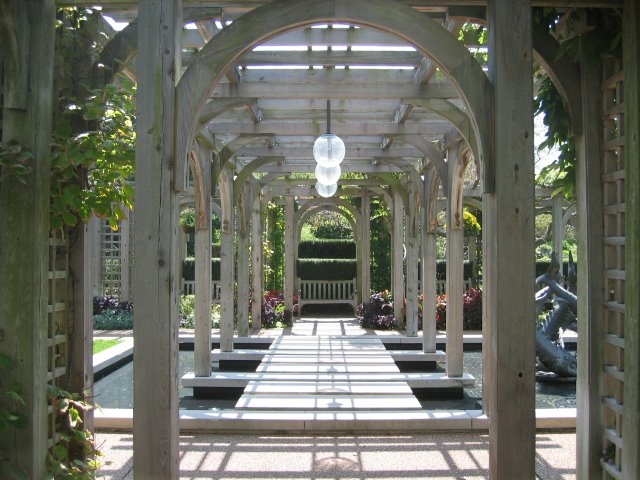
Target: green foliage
{"type": "Point", "coordinates": [75, 455]}
{"type": "Point", "coordinates": [330, 224]}
{"type": "Point", "coordinates": [186, 312]}
{"type": "Point", "coordinates": [15, 161]}
{"type": "Point", "coordinates": [380, 246]}
{"type": "Point", "coordinates": [274, 247]}
{"type": "Point", "coordinates": [115, 319]}
{"type": "Point", "coordinates": [475, 35]}
{"type": "Point", "coordinates": [189, 268]}
{"type": "Point", "coordinates": [188, 219]}
{"type": "Point", "coordinates": [100, 345]}
{"type": "Point", "coordinates": [472, 227]}
{"type": "Point", "coordinates": [92, 169]}
{"type": "Point", "coordinates": [11, 417]}
{"type": "Point", "coordinates": [560, 174]}
{"type": "Point", "coordinates": [326, 268]}
{"type": "Point", "coordinates": [327, 248]}
{"type": "Point", "coordinates": [602, 37]}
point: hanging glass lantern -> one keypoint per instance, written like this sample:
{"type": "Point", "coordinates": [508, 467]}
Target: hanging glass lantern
{"type": "Point", "coordinates": [328, 150]}
{"type": "Point", "coordinates": [328, 175]}
{"type": "Point", "coordinates": [326, 190]}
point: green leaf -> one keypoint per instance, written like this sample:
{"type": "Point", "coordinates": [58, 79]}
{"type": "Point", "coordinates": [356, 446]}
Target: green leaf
{"type": "Point", "coordinates": [61, 452]}
{"type": "Point", "coordinates": [5, 362]}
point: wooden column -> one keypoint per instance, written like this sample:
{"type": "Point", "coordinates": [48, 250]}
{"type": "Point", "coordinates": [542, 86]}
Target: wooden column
{"type": "Point", "coordinates": [80, 374]}
{"type": "Point", "coordinates": [243, 261]}
{"type": "Point", "coordinates": [365, 241]}
{"type": "Point", "coordinates": [201, 166]}
{"type": "Point", "coordinates": [413, 210]}
{"type": "Point", "coordinates": [630, 430]}
{"type": "Point", "coordinates": [125, 255]}
{"type": "Point", "coordinates": [24, 223]}
{"type": "Point", "coordinates": [455, 262]}
{"type": "Point", "coordinates": [257, 274]}
{"type": "Point", "coordinates": [227, 263]}
{"type": "Point", "coordinates": [428, 260]}
{"type": "Point", "coordinates": [510, 208]}
{"type": "Point", "coordinates": [155, 365]}
{"type": "Point", "coordinates": [289, 253]}
{"type": "Point", "coordinates": [397, 258]}
{"type": "Point", "coordinates": [591, 287]}
{"type": "Point", "coordinates": [558, 229]}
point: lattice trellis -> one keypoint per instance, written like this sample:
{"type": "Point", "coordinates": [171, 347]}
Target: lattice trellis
{"type": "Point", "coordinates": [57, 328]}
{"type": "Point", "coordinates": [613, 181]}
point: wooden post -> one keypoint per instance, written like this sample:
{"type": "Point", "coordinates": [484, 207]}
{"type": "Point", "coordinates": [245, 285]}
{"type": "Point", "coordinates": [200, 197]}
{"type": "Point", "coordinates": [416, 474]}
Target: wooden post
{"type": "Point", "coordinates": [227, 264]}
{"type": "Point", "coordinates": [80, 375]}
{"type": "Point", "coordinates": [125, 253]}
{"type": "Point", "coordinates": [558, 229]}
{"type": "Point", "coordinates": [428, 260]}
{"type": "Point", "coordinates": [243, 260]}
{"type": "Point", "coordinates": [397, 258]}
{"type": "Point", "coordinates": [455, 261]}
{"type": "Point", "coordinates": [630, 431]}
{"type": "Point", "coordinates": [413, 211]}
{"type": "Point", "coordinates": [256, 262]}
{"type": "Point", "coordinates": [289, 253]}
{"type": "Point", "coordinates": [24, 224]}
{"type": "Point", "coordinates": [589, 427]}
{"type": "Point", "coordinates": [155, 372]}
{"type": "Point", "coordinates": [201, 167]}
{"type": "Point", "coordinates": [510, 208]}
{"type": "Point", "coordinates": [365, 240]}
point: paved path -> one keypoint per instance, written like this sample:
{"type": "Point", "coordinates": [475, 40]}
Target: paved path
{"type": "Point", "coordinates": [442, 456]}
{"type": "Point", "coordinates": [439, 456]}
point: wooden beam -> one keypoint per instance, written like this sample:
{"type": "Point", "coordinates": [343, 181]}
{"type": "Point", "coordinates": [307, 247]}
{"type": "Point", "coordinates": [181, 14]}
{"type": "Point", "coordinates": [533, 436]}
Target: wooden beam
{"type": "Point", "coordinates": [344, 129]}
{"type": "Point", "coordinates": [397, 258]}
{"type": "Point", "coordinates": [334, 90]}
{"type": "Point", "coordinates": [289, 252]}
{"type": "Point", "coordinates": [24, 231]}
{"type": "Point", "coordinates": [299, 153]}
{"type": "Point", "coordinates": [418, 4]}
{"type": "Point", "coordinates": [591, 287]}
{"type": "Point", "coordinates": [428, 261]}
{"type": "Point", "coordinates": [329, 58]}
{"type": "Point", "coordinates": [201, 167]}
{"type": "Point", "coordinates": [227, 257]}
{"type": "Point", "coordinates": [630, 431]}
{"type": "Point", "coordinates": [509, 260]}
{"type": "Point", "coordinates": [155, 367]}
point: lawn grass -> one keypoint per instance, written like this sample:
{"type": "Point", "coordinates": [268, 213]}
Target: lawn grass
{"type": "Point", "coordinates": [100, 345]}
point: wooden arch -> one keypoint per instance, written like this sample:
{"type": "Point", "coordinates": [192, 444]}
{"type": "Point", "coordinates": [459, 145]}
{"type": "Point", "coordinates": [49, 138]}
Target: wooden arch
{"type": "Point", "coordinates": [263, 23]}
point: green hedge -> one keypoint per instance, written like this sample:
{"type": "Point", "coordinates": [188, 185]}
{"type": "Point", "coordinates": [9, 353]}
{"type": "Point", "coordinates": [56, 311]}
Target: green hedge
{"type": "Point", "coordinates": [327, 248]}
{"type": "Point", "coordinates": [189, 265]}
{"type": "Point", "coordinates": [326, 269]}
{"type": "Point", "coordinates": [441, 269]}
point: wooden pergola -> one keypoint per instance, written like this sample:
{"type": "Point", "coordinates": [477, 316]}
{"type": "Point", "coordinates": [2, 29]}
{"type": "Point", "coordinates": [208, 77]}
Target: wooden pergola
{"type": "Point", "coordinates": [414, 111]}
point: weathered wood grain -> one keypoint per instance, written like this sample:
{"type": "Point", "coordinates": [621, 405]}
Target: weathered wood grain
{"type": "Point", "coordinates": [510, 265]}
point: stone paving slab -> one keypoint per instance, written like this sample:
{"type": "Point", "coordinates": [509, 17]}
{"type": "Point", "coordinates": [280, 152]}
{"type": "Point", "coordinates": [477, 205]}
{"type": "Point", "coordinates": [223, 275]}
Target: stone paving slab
{"type": "Point", "coordinates": [332, 387]}
{"type": "Point", "coordinates": [328, 401]}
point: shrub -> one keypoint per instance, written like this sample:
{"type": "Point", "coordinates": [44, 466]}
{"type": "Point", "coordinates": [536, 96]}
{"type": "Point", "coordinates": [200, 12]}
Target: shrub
{"type": "Point", "coordinates": [327, 248]}
{"type": "Point", "coordinates": [186, 312]}
{"type": "Point", "coordinates": [101, 304]}
{"type": "Point", "coordinates": [114, 319]}
{"type": "Point", "coordinates": [273, 313]}
{"type": "Point", "coordinates": [189, 266]}
{"type": "Point", "coordinates": [471, 310]}
{"type": "Point", "coordinates": [377, 313]}
{"type": "Point", "coordinates": [326, 269]}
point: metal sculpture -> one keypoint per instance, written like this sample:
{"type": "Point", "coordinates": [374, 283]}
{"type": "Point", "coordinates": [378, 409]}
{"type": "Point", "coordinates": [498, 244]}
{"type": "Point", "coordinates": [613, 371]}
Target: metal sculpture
{"type": "Point", "coordinates": [552, 356]}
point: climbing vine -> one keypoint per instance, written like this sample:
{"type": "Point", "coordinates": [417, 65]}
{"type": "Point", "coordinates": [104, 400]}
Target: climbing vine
{"type": "Point", "coordinates": [601, 36]}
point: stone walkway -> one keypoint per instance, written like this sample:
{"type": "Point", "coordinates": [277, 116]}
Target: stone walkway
{"type": "Point", "coordinates": [336, 456]}
{"type": "Point", "coordinates": [440, 456]}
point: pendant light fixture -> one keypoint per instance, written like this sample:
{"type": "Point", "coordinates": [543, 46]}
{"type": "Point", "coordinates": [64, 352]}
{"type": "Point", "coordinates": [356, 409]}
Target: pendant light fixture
{"type": "Point", "coordinates": [328, 152]}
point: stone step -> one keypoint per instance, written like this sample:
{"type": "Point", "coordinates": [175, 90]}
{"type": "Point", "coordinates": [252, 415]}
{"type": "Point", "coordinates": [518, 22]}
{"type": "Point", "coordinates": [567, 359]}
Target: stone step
{"type": "Point", "coordinates": [275, 387]}
{"type": "Point", "coordinates": [326, 368]}
{"type": "Point", "coordinates": [397, 355]}
{"type": "Point", "coordinates": [242, 379]}
{"type": "Point", "coordinates": [328, 402]}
